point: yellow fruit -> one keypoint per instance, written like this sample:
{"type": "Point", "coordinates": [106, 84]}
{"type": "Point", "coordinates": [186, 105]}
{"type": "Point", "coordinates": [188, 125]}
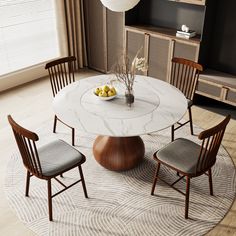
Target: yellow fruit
{"type": "Point", "coordinates": [113, 90]}
{"type": "Point", "coordinates": [97, 91]}
{"type": "Point", "coordinates": [110, 93]}
{"type": "Point", "coordinates": [102, 94]}
{"type": "Point", "coordinates": [106, 88]}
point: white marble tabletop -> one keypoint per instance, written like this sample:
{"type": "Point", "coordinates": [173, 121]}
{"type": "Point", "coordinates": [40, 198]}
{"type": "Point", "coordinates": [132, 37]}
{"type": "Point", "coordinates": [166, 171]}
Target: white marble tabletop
{"type": "Point", "coordinates": [157, 105]}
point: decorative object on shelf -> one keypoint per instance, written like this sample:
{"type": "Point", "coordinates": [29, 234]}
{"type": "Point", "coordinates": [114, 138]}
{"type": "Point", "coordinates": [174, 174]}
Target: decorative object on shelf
{"type": "Point", "coordinates": [120, 5]}
{"type": "Point", "coordinates": [185, 28]}
{"type": "Point", "coordinates": [125, 71]}
{"type": "Point", "coordinates": [185, 35]}
{"type": "Point", "coordinates": [185, 32]}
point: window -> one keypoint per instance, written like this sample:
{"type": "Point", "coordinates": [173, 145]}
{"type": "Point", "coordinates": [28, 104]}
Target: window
{"type": "Point", "coordinates": [28, 34]}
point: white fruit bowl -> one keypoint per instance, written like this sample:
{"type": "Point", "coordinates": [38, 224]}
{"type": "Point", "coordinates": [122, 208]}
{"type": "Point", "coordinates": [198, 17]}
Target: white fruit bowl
{"type": "Point", "coordinates": [105, 98]}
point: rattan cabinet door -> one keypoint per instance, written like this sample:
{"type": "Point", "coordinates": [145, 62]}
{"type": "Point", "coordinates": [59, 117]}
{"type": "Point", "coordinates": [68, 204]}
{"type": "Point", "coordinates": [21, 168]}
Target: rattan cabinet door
{"type": "Point", "coordinates": [185, 50]}
{"type": "Point", "coordinates": [230, 96]}
{"type": "Point", "coordinates": [158, 56]}
{"type": "Point", "coordinates": [209, 89]}
{"type": "Point", "coordinates": [96, 34]}
{"type": "Point", "coordinates": [115, 37]}
{"type": "Point", "coordinates": [105, 35]}
{"type": "Point", "coordinates": [134, 41]}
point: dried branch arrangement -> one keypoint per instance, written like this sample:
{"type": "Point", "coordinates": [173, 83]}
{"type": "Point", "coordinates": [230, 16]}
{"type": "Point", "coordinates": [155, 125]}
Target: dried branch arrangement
{"type": "Point", "coordinates": [125, 69]}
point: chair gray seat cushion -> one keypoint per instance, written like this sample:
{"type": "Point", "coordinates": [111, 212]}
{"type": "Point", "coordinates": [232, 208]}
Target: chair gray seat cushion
{"type": "Point", "coordinates": [190, 102]}
{"type": "Point", "coordinates": [58, 156]}
{"type": "Point", "coordinates": [182, 154]}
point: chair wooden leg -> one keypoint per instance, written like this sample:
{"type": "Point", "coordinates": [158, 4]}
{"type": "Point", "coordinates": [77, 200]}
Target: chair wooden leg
{"type": "Point", "coordinates": [187, 197]}
{"type": "Point", "coordinates": [191, 120]}
{"type": "Point", "coordinates": [172, 133]}
{"type": "Point", "coordinates": [210, 181]}
{"type": "Point", "coordinates": [27, 184]}
{"type": "Point", "coordinates": [155, 178]}
{"type": "Point", "coordinates": [55, 124]}
{"type": "Point", "coordinates": [73, 136]}
{"type": "Point", "coordinates": [50, 200]}
{"type": "Point", "coordinates": [83, 182]}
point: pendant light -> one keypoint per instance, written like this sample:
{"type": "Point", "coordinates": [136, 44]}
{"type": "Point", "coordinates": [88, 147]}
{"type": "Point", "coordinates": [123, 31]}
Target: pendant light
{"type": "Point", "coordinates": [119, 5]}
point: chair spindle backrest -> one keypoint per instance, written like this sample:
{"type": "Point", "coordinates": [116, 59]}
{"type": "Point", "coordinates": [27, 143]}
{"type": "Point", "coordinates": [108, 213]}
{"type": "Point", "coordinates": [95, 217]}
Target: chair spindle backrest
{"type": "Point", "coordinates": [211, 140]}
{"type": "Point", "coordinates": [184, 75]}
{"type": "Point", "coordinates": [61, 73]}
{"type": "Point", "coordinates": [25, 140]}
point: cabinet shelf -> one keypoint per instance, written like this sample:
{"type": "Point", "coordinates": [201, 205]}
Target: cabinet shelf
{"type": "Point", "coordinates": [195, 2]}
{"type": "Point", "coordinates": [170, 33]}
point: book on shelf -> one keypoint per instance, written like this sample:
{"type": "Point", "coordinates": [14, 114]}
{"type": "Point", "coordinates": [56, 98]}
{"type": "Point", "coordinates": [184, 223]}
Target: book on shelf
{"type": "Point", "coordinates": [185, 36]}
{"type": "Point", "coordinates": [190, 33]}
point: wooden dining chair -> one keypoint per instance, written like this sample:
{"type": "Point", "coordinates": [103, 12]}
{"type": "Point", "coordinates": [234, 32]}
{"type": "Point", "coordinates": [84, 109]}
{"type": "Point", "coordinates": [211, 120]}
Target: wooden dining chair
{"type": "Point", "coordinates": [184, 76]}
{"type": "Point", "coordinates": [190, 159]}
{"type": "Point", "coordinates": [48, 161]}
{"type": "Point", "coordinates": [61, 73]}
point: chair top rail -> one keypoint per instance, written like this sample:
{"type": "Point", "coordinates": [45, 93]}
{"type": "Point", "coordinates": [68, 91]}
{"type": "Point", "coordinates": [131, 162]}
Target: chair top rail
{"type": "Point", "coordinates": [59, 61]}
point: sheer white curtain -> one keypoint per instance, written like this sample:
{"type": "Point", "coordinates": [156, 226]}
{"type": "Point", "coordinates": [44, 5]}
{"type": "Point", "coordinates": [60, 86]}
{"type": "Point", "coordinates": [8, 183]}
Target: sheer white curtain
{"type": "Point", "coordinates": [30, 35]}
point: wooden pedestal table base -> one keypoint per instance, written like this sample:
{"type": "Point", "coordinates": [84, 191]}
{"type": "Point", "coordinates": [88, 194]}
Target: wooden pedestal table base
{"type": "Point", "coordinates": [118, 153]}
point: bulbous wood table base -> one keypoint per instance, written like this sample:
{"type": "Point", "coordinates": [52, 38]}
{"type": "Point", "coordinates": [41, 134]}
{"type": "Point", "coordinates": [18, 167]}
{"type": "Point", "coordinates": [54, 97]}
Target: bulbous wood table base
{"type": "Point", "coordinates": [118, 153]}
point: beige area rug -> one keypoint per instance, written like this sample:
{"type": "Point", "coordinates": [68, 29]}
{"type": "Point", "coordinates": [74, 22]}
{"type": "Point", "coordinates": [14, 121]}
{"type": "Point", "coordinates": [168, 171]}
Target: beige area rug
{"type": "Point", "coordinates": [120, 202]}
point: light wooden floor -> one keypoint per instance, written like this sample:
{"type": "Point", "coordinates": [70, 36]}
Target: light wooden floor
{"type": "Point", "coordinates": [30, 105]}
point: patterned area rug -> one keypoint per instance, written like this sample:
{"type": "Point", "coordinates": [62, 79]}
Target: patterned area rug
{"type": "Point", "coordinates": [120, 202]}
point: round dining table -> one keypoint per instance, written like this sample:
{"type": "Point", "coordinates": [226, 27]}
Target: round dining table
{"type": "Point", "coordinates": [118, 146]}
